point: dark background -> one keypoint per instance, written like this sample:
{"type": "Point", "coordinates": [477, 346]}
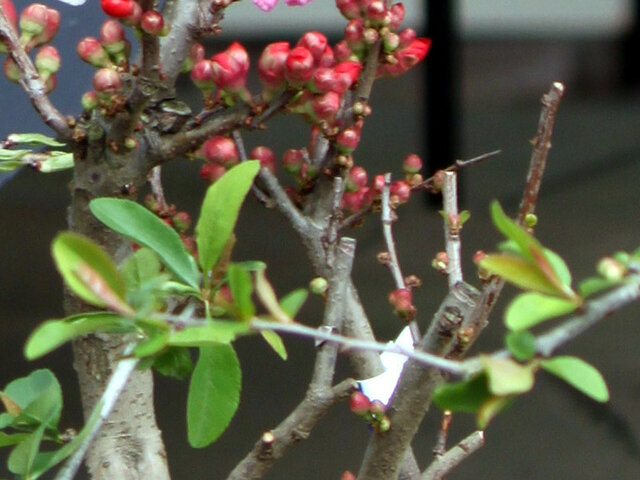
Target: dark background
{"type": "Point", "coordinates": [588, 209]}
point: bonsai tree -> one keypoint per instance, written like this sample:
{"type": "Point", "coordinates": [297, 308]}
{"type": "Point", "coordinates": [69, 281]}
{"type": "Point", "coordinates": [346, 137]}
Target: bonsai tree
{"type": "Point", "coordinates": [145, 290]}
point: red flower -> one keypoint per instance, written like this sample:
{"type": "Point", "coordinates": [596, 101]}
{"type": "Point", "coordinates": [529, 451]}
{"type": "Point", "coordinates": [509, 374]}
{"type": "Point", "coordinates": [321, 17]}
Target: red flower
{"type": "Point", "coordinates": [414, 53]}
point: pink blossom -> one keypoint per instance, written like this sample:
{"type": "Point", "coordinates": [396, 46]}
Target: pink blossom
{"type": "Point", "coordinates": [268, 5]}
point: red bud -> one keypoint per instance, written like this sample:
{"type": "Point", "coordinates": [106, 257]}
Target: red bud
{"type": "Point", "coordinates": [359, 403]}
{"type": "Point", "coordinates": [91, 51]}
{"type": "Point", "coordinates": [412, 163]}
{"type": "Point", "coordinates": [292, 160]}
{"type": "Point", "coordinates": [315, 42]}
{"type": "Point", "coordinates": [266, 156]}
{"type": "Point", "coordinates": [298, 68]}
{"type": "Point", "coordinates": [220, 151]}
{"type": "Point", "coordinates": [118, 8]}
{"type": "Point", "coordinates": [271, 64]}
{"type": "Point", "coordinates": [202, 75]}
{"type": "Point", "coordinates": [106, 80]}
{"type": "Point", "coordinates": [152, 22]}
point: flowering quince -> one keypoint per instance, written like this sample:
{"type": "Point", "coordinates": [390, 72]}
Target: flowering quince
{"type": "Point", "coordinates": [268, 5]}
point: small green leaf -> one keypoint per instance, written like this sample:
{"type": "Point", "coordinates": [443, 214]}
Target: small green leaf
{"type": "Point", "coordinates": [56, 162]}
{"type": "Point", "coordinates": [275, 342]}
{"type": "Point", "coordinates": [506, 377]}
{"type": "Point", "coordinates": [214, 394]}
{"type": "Point", "coordinates": [529, 309]}
{"type": "Point", "coordinates": [220, 211]}
{"type": "Point", "coordinates": [53, 333]}
{"type": "Point", "coordinates": [519, 271]}
{"type": "Point", "coordinates": [593, 285]}
{"type": "Point", "coordinates": [292, 302]}
{"type": "Point", "coordinates": [24, 454]}
{"type": "Point", "coordinates": [210, 333]}
{"type": "Point", "coordinates": [526, 243]}
{"type": "Point", "coordinates": [143, 227]}
{"type": "Point", "coordinates": [464, 396]}
{"type": "Point", "coordinates": [579, 374]}
{"type": "Point", "coordinates": [559, 266]}
{"type": "Point", "coordinates": [24, 391]}
{"type": "Point", "coordinates": [521, 344]}
{"type": "Point", "coordinates": [174, 362]}
{"type": "Point", "coordinates": [80, 262]}
{"type": "Point", "coordinates": [252, 265]}
{"type": "Point", "coordinates": [37, 139]}
{"type": "Point", "coordinates": [241, 287]}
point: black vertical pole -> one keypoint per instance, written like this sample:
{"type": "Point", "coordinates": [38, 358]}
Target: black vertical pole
{"type": "Point", "coordinates": [630, 49]}
{"type": "Point", "coordinates": [441, 99]}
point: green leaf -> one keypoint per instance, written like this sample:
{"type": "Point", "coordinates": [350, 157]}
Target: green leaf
{"type": "Point", "coordinates": [525, 242]}
{"type": "Point", "coordinates": [490, 409]}
{"type": "Point", "coordinates": [506, 377]}
{"type": "Point", "coordinates": [210, 333]}
{"type": "Point", "coordinates": [593, 285]}
{"type": "Point", "coordinates": [519, 272]}
{"type": "Point", "coordinates": [220, 211]}
{"type": "Point", "coordinates": [87, 269]}
{"type": "Point", "coordinates": [155, 342]}
{"type": "Point", "coordinates": [24, 454]}
{"type": "Point", "coordinates": [252, 265]}
{"type": "Point", "coordinates": [529, 309]}
{"type": "Point", "coordinates": [464, 396]}
{"type": "Point", "coordinates": [53, 333]}
{"type": "Point", "coordinates": [37, 139]}
{"type": "Point", "coordinates": [292, 302]}
{"type": "Point", "coordinates": [521, 344]}
{"type": "Point", "coordinates": [275, 342]}
{"type": "Point", "coordinates": [579, 374]}
{"type": "Point", "coordinates": [559, 266]}
{"type": "Point", "coordinates": [241, 287]}
{"type": "Point", "coordinates": [56, 162]}
{"type": "Point", "coordinates": [7, 439]}
{"type": "Point", "coordinates": [27, 390]}
{"type": "Point", "coordinates": [214, 394]}
{"type": "Point", "coordinates": [143, 227]}
{"type": "Point", "coordinates": [174, 362]}
{"type": "Point", "coordinates": [140, 267]}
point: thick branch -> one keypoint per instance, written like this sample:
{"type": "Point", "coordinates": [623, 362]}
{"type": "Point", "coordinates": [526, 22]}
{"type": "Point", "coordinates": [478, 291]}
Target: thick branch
{"type": "Point", "coordinates": [31, 82]}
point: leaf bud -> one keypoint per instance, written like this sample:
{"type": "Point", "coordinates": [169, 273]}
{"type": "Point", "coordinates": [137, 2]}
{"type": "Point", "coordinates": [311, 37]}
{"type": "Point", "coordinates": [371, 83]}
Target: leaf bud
{"type": "Point", "coordinates": [318, 285]}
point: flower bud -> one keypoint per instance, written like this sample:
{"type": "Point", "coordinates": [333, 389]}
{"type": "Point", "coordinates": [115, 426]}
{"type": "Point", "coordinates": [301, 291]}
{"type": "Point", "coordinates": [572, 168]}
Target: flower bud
{"type": "Point", "coordinates": [325, 107]}
{"type": "Point", "coordinates": [407, 36]}
{"type": "Point", "coordinates": [133, 19]}
{"type": "Point", "coordinates": [33, 20]}
{"type": "Point", "coordinates": [441, 262]}
{"type": "Point", "coordinates": [383, 425]}
{"type": "Point", "coordinates": [402, 301]}
{"type": "Point", "coordinates": [347, 475]}
{"type": "Point", "coordinates": [359, 403]}
{"type": "Point", "coordinates": [91, 51]}
{"type": "Point", "coordinates": [347, 140]}
{"type": "Point", "coordinates": [530, 220]}
{"type": "Point", "coordinates": [315, 42]}
{"type": "Point", "coordinates": [112, 36]}
{"type": "Point", "coordinates": [353, 35]}
{"type": "Point", "coordinates": [414, 53]}
{"type": "Point", "coordinates": [343, 52]}
{"type": "Point", "coordinates": [181, 221]}
{"type": "Point", "coordinates": [324, 80]}
{"type": "Point", "coordinates": [89, 101]}
{"type": "Point", "coordinates": [293, 160]}
{"type": "Point", "coordinates": [211, 173]}
{"type": "Point", "coordinates": [400, 192]}
{"type": "Point", "coordinates": [9, 10]}
{"type": "Point", "coordinates": [376, 12]}
{"type": "Point", "coordinates": [52, 24]}
{"type": "Point", "coordinates": [195, 55]}
{"type": "Point", "coordinates": [397, 16]}
{"type": "Point", "coordinates": [611, 269]}
{"type": "Point", "coordinates": [353, 202]}
{"type": "Point", "coordinates": [356, 179]}
{"type": "Point", "coordinates": [327, 59]}
{"type": "Point", "coordinates": [347, 73]}
{"type": "Point", "coordinates": [220, 151]}
{"type": "Point", "coordinates": [412, 163]}
{"type": "Point", "coordinates": [377, 408]}
{"type": "Point", "coordinates": [390, 42]}
{"type": "Point", "coordinates": [202, 76]}
{"type": "Point", "coordinates": [47, 61]}
{"type": "Point", "coordinates": [349, 9]}
{"type": "Point", "coordinates": [11, 70]}
{"type": "Point", "coordinates": [271, 64]}
{"type": "Point", "coordinates": [299, 66]}
{"type": "Point", "coordinates": [106, 80]}
{"type": "Point", "coordinates": [152, 23]}
{"type": "Point", "coordinates": [266, 156]}
{"type": "Point", "coordinates": [118, 8]}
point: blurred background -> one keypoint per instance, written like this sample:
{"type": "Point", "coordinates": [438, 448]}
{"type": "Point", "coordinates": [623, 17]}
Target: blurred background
{"type": "Point", "coordinates": [479, 91]}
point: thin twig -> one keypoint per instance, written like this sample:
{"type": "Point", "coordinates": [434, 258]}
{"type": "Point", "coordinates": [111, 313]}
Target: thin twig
{"type": "Point", "coordinates": [452, 226]}
{"type": "Point", "coordinates": [452, 458]}
{"type": "Point", "coordinates": [428, 184]}
{"type": "Point", "coordinates": [450, 366]}
{"type": "Point", "coordinates": [155, 182]}
{"type": "Point", "coordinates": [106, 403]}
{"type": "Point", "coordinates": [393, 263]}
{"type": "Point", "coordinates": [31, 81]}
{"type": "Point", "coordinates": [541, 147]}
{"type": "Point", "coordinates": [441, 442]}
